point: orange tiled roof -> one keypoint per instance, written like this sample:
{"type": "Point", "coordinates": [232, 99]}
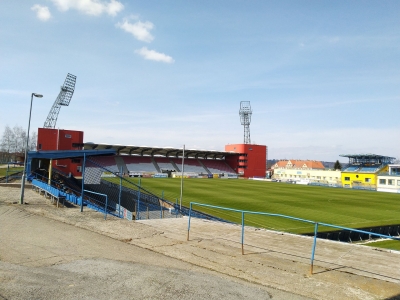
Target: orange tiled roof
{"type": "Point", "coordinates": [299, 164]}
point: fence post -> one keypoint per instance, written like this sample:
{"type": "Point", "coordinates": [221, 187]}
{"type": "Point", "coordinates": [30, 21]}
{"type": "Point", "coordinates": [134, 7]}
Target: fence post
{"type": "Point", "coordinates": [105, 208]}
{"type": "Point", "coordinates": [120, 192]}
{"type": "Point", "coordinates": [190, 211]}
{"type": "Point", "coordinates": [138, 207]}
{"type": "Point", "coordinates": [148, 215]}
{"type": "Point", "coordinates": [176, 207]}
{"type": "Point", "coordinates": [313, 247]}
{"type": "Point", "coordinates": [134, 207]}
{"type": "Point", "coordinates": [242, 232]}
{"type": "Point", "coordinates": [83, 179]}
{"type": "Point", "coordinates": [8, 168]}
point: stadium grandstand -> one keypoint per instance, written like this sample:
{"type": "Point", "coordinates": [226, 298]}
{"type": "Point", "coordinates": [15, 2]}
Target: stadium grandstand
{"type": "Point", "coordinates": [237, 160]}
{"type": "Point", "coordinates": [65, 168]}
{"type": "Point", "coordinates": [363, 169]}
{"type": "Point", "coordinates": [148, 161]}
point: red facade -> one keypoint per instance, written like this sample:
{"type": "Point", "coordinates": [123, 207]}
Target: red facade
{"type": "Point", "coordinates": [253, 162]}
{"type": "Point", "coordinates": [60, 139]}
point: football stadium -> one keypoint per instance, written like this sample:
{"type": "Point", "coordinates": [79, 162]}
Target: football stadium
{"type": "Point", "coordinates": [143, 182]}
{"type": "Point", "coordinates": [228, 194]}
{"type": "Point", "coordinates": [212, 150]}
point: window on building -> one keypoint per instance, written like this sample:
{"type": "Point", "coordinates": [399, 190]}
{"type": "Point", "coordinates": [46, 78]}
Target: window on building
{"type": "Point", "coordinates": [347, 178]}
{"type": "Point", "coordinates": [382, 181]}
{"type": "Point", "coordinates": [40, 146]}
{"type": "Point", "coordinates": [398, 182]}
{"type": "Point", "coordinates": [390, 181]}
{"type": "Point", "coordinates": [367, 179]}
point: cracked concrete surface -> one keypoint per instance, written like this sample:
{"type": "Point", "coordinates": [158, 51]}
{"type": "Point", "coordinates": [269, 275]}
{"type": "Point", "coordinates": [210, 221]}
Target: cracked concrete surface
{"type": "Point", "coordinates": [274, 264]}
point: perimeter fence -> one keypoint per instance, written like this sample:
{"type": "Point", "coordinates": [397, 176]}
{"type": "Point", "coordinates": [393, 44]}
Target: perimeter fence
{"type": "Point", "coordinates": [316, 225]}
{"type": "Point", "coordinates": [126, 198]}
{"type": "Point", "coordinates": [105, 189]}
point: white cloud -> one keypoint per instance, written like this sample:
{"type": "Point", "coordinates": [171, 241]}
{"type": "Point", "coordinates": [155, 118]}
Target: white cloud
{"type": "Point", "coordinates": [140, 30]}
{"type": "Point", "coordinates": [154, 55]}
{"type": "Point", "coordinates": [42, 12]}
{"type": "Point", "coordinates": [90, 7]}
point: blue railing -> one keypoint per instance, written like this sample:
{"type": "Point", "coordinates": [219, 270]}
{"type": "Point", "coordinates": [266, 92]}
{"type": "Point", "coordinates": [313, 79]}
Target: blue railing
{"type": "Point", "coordinates": [74, 199]}
{"type": "Point", "coordinates": [98, 208]}
{"type": "Point", "coordinates": [316, 224]}
{"type": "Point", "coordinates": [56, 192]}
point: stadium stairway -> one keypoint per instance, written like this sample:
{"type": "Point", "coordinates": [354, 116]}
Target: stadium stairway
{"type": "Point", "coordinates": [155, 165]}
{"type": "Point", "coordinates": [205, 168]}
{"type": "Point", "coordinates": [175, 166]}
{"type": "Point", "coordinates": [121, 164]}
{"type": "Point", "coordinates": [229, 167]}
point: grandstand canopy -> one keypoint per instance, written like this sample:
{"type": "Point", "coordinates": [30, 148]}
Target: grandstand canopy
{"type": "Point", "coordinates": [368, 158]}
{"type": "Point", "coordinates": [61, 154]}
{"type": "Point", "coordinates": [163, 152]}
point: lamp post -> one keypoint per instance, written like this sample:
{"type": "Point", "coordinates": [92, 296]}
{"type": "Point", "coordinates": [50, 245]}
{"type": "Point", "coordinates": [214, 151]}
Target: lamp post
{"type": "Point", "coordinates": [182, 172]}
{"type": "Point", "coordinates": [21, 200]}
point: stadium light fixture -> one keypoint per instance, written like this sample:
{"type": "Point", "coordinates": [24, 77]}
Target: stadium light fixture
{"type": "Point", "coordinates": [21, 200]}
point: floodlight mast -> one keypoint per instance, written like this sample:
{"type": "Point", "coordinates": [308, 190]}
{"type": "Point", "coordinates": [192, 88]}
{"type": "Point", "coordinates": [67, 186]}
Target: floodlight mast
{"type": "Point", "coordinates": [245, 119]}
{"type": "Point", "coordinates": [63, 99]}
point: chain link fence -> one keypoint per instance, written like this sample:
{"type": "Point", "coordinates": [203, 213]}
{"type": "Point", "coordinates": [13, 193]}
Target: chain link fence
{"type": "Point", "coordinates": [121, 197]}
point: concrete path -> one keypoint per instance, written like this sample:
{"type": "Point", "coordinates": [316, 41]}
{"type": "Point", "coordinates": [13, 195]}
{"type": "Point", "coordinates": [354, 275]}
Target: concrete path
{"type": "Point", "coordinates": [276, 263]}
{"type": "Point", "coordinates": [41, 258]}
{"type": "Point", "coordinates": [341, 271]}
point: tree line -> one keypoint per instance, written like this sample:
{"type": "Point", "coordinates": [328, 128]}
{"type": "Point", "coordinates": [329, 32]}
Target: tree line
{"type": "Point", "coordinates": [13, 143]}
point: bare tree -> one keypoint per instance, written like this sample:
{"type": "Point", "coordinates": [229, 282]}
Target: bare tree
{"type": "Point", "coordinates": [7, 143]}
{"type": "Point", "coordinates": [32, 141]}
{"type": "Point", "coordinates": [19, 139]}
{"type": "Point", "coordinates": [13, 142]}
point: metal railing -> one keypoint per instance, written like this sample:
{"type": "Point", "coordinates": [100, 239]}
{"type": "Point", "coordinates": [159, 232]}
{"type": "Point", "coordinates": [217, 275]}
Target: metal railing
{"type": "Point", "coordinates": [316, 224]}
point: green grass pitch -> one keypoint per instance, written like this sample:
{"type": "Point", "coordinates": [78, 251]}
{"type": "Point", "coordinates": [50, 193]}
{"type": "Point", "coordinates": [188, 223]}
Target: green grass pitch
{"type": "Point", "coordinates": [12, 170]}
{"type": "Point", "coordinates": [343, 207]}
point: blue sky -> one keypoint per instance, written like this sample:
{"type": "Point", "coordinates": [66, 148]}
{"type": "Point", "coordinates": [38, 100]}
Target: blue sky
{"type": "Point", "coordinates": [323, 77]}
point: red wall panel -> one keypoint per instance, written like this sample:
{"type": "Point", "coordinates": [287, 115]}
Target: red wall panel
{"type": "Point", "coordinates": [61, 139]}
{"type": "Point", "coordinates": [252, 164]}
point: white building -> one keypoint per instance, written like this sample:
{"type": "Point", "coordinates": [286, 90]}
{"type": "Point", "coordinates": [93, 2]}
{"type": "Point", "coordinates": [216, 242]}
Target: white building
{"type": "Point", "coordinates": [323, 176]}
{"type": "Point", "coordinates": [305, 171]}
{"type": "Point", "coordinates": [390, 181]}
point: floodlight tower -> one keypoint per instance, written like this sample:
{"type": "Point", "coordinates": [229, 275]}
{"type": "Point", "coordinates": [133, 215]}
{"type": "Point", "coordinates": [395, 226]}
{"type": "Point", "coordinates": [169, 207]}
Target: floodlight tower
{"type": "Point", "coordinates": [63, 99]}
{"type": "Point", "coordinates": [245, 119]}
